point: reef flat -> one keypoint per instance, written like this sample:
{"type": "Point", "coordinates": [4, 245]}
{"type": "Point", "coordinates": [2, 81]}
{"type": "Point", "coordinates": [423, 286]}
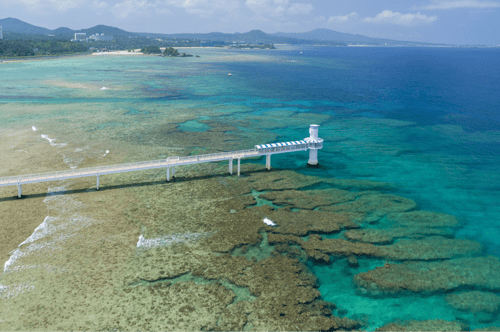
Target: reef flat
{"type": "Point", "coordinates": [207, 261]}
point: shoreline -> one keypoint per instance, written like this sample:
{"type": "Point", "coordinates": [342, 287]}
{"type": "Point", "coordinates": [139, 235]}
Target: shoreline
{"type": "Point", "coordinates": [45, 57]}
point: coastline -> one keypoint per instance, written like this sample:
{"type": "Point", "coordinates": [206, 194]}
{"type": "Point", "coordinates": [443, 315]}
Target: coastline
{"type": "Point", "coordinates": [45, 57]}
{"type": "Point", "coordinates": [119, 53]}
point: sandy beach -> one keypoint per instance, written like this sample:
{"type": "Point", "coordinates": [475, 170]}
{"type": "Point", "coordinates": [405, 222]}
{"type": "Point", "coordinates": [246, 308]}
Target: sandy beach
{"type": "Point", "coordinates": [118, 53]}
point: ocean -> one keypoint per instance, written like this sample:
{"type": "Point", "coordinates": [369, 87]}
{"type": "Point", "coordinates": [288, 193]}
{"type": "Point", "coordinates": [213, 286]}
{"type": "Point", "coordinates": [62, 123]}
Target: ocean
{"type": "Point", "coordinates": [425, 122]}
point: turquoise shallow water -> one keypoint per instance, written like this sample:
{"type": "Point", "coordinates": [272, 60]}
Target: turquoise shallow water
{"type": "Point", "coordinates": [425, 120]}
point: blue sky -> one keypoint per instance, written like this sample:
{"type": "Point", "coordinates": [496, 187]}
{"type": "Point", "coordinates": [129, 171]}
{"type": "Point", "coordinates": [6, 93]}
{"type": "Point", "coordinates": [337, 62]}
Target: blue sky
{"type": "Point", "coordinates": [442, 21]}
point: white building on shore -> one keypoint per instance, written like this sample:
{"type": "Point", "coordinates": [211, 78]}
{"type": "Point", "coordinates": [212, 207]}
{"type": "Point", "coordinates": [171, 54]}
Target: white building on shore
{"type": "Point", "coordinates": [82, 37]}
{"type": "Point", "coordinates": [100, 37]}
{"type": "Point", "coordinates": [79, 36]}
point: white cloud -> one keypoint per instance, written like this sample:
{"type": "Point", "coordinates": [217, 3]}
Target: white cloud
{"type": "Point", "coordinates": [342, 19]}
{"type": "Point", "coordinates": [45, 5]}
{"type": "Point", "coordinates": [460, 4]}
{"type": "Point", "coordinates": [390, 17]}
{"type": "Point", "coordinates": [133, 7]}
{"type": "Point", "coordinates": [207, 8]}
{"type": "Point", "coordinates": [99, 5]}
{"type": "Point", "coordinates": [277, 8]}
{"type": "Point", "coordinates": [28, 2]}
{"type": "Point", "coordinates": [162, 11]}
{"type": "Point", "coordinates": [300, 8]}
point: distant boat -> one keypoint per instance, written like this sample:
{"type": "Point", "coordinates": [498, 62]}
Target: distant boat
{"type": "Point", "coordinates": [229, 74]}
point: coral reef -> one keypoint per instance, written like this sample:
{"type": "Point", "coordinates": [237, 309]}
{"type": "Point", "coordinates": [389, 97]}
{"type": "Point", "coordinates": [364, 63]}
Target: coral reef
{"type": "Point", "coordinates": [425, 249]}
{"type": "Point", "coordinates": [387, 236]}
{"type": "Point", "coordinates": [474, 301]}
{"type": "Point", "coordinates": [423, 219]}
{"type": "Point", "coordinates": [374, 205]}
{"type": "Point", "coordinates": [429, 277]}
{"type": "Point", "coordinates": [310, 199]}
{"type": "Point", "coordinates": [430, 248]}
{"type": "Point", "coordinates": [190, 278]}
{"type": "Point", "coordinates": [424, 325]}
{"type": "Point", "coordinates": [303, 222]}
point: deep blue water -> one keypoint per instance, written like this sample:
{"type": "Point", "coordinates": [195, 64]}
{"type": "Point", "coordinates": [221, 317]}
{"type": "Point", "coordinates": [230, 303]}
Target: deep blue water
{"type": "Point", "coordinates": [445, 154]}
{"type": "Point", "coordinates": [424, 119]}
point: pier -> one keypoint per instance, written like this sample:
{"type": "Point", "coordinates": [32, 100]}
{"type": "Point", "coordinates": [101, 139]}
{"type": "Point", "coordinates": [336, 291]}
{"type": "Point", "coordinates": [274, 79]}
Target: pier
{"type": "Point", "coordinates": [312, 143]}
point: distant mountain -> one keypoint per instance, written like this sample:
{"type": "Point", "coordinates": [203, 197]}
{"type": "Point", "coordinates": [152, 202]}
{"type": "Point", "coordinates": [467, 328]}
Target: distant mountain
{"type": "Point", "coordinates": [254, 36]}
{"type": "Point", "coordinates": [62, 32]}
{"type": "Point", "coordinates": [18, 26]}
{"type": "Point", "coordinates": [331, 35]}
{"type": "Point", "coordinates": [325, 34]}
{"type": "Point", "coordinates": [107, 30]}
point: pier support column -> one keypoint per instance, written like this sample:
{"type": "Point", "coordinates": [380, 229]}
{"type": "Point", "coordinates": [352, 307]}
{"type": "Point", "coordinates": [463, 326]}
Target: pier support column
{"type": "Point", "coordinates": [239, 166]}
{"type": "Point", "coordinates": [268, 162]}
{"type": "Point", "coordinates": [313, 157]}
{"type": "Point", "coordinates": [168, 173]}
{"type": "Point", "coordinates": [97, 181]}
{"type": "Point", "coordinates": [173, 171]}
{"type": "Point", "coordinates": [231, 166]}
{"type": "Point", "coordinates": [19, 190]}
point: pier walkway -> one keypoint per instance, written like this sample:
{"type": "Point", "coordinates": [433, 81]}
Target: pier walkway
{"type": "Point", "coordinates": [312, 143]}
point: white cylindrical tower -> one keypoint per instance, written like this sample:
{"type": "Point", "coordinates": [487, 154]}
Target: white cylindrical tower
{"type": "Point", "coordinates": [314, 144]}
{"type": "Point", "coordinates": [313, 131]}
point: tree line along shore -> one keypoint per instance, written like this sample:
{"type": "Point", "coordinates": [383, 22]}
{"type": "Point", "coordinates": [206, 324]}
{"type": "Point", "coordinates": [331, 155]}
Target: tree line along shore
{"type": "Point", "coordinates": [42, 48]}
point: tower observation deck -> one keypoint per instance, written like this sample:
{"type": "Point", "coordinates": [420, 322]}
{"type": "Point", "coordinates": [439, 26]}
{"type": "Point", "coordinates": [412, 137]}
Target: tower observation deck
{"type": "Point", "coordinates": [312, 143]}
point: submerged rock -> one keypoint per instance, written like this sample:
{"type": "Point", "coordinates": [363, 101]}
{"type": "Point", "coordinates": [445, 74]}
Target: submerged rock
{"type": "Point", "coordinates": [489, 328]}
{"type": "Point", "coordinates": [424, 277]}
{"type": "Point", "coordinates": [373, 205]}
{"type": "Point", "coordinates": [424, 325]}
{"type": "Point", "coordinates": [430, 248]}
{"type": "Point", "coordinates": [303, 222]}
{"type": "Point", "coordinates": [309, 199]}
{"type": "Point", "coordinates": [474, 301]}
{"type": "Point", "coordinates": [425, 249]}
{"type": "Point", "coordinates": [423, 219]}
{"type": "Point", "coordinates": [386, 236]}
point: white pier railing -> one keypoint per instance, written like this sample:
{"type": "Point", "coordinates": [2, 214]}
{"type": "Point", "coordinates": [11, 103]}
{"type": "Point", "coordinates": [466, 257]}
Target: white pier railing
{"type": "Point", "coordinates": [267, 149]}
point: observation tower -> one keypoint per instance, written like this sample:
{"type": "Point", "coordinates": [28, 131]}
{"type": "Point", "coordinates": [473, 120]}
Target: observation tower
{"type": "Point", "coordinates": [314, 143]}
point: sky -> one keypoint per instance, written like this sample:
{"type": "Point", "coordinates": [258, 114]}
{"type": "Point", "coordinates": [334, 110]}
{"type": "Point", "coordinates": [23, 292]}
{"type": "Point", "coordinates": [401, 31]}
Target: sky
{"type": "Point", "coordinates": [438, 21]}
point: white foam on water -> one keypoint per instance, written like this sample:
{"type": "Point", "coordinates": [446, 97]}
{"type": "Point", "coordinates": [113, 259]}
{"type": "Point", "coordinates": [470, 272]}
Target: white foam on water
{"type": "Point", "coordinates": [15, 255]}
{"type": "Point", "coordinates": [269, 222]}
{"type": "Point", "coordinates": [47, 138]}
{"type": "Point", "coordinates": [60, 229]}
{"type": "Point", "coordinates": [78, 150]}
{"type": "Point", "coordinates": [72, 162]}
{"type": "Point", "coordinates": [53, 232]}
{"type": "Point", "coordinates": [104, 88]}
{"type": "Point", "coordinates": [51, 141]}
{"type": "Point", "coordinates": [59, 200]}
{"type": "Point", "coordinates": [8, 292]}
{"type": "Point", "coordinates": [33, 127]}
{"type": "Point", "coordinates": [169, 239]}
{"type": "Point", "coordinates": [44, 229]}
